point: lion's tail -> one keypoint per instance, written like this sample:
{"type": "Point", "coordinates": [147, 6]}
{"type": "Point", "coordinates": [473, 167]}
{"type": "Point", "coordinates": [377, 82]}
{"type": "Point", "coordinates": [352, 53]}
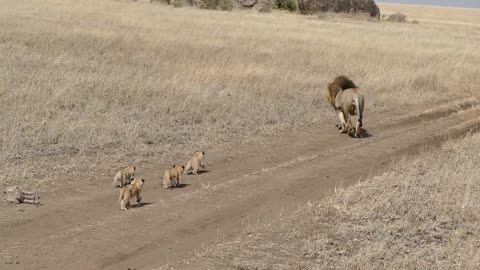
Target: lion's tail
{"type": "Point", "coordinates": [359, 103]}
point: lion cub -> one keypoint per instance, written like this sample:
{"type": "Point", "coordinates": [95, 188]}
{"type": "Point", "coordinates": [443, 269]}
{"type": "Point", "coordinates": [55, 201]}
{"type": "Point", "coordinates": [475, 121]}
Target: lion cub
{"type": "Point", "coordinates": [129, 191]}
{"type": "Point", "coordinates": [172, 176]}
{"type": "Point", "coordinates": [124, 176]}
{"type": "Point", "coordinates": [195, 163]}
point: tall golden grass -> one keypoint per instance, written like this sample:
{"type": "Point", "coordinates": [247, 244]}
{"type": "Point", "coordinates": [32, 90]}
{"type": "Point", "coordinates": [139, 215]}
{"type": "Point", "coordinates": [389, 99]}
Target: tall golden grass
{"type": "Point", "coordinates": [87, 86]}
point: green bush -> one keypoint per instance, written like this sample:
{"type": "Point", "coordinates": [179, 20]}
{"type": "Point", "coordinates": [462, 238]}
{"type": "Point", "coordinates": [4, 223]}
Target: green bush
{"type": "Point", "coordinates": [290, 5]}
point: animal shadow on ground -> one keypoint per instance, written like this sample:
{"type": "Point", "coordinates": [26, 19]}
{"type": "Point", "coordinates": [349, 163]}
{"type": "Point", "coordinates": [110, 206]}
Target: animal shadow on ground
{"type": "Point", "coordinates": [363, 134]}
{"type": "Point", "coordinates": [200, 172]}
{"type": "Point", "coordinates": [182, 185]}
{"type": "Point", "coordinates": [142, 204]}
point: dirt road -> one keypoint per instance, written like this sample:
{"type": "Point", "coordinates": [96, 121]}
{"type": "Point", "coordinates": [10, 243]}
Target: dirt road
{"type": "Point", "coordinates": [82, 227]}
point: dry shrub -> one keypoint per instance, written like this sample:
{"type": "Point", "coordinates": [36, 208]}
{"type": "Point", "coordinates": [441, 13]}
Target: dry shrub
{"type": "Point", "coordinates": [264, 6]}
{"type": "Point", "coordinates": [339, 6]}
{"type": "Point", "coordinates": [178, 3]}
{"type": "Point", "coordinates": [161, 1]}
{"type": "Point", "coordinates": [225, 4]}
{"type": "Point", "coordinates": [216, 4]}
{"type": "Point", "coordinates": [208, 4]}
{"type": "Point", "coordinates": [397, 17]}
{"type": "Point", "coordinates": [339, 17]}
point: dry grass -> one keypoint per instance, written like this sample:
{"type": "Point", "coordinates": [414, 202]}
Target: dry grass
{"type": "Point", "coordinates": [424, 214]}
{"type": "Point", "coordinates": [433, 14]}
{"type": "Point", "coordinates": [88, 86]}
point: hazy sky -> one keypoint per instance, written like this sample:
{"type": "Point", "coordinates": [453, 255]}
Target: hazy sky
{"type": "Point", "coordinates": [453, 3]}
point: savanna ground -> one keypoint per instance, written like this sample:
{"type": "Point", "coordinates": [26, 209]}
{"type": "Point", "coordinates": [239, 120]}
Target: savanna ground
{"type": "Point", "coordinates": [89, 86]}
{"type": "Point", "coordinates": [423, 214]}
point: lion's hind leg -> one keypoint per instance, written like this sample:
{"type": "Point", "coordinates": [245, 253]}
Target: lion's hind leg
{"type": "Point", "coordinates": [175, 181]}
{"type": "Point", "coordinates": [358, 129]}
{"type": "Point", "coordinates": [341, 117]}
{"type": "Point", "coordinates": [139, 200]}
{"type": "Point", "coordinates": [350, 129]}
{"type": "Point", "coordinates": [188, 167]}
{"type": "Point", "coordinates": [124, 204]}
{"type": "Point", "coordinates": [167, 183]}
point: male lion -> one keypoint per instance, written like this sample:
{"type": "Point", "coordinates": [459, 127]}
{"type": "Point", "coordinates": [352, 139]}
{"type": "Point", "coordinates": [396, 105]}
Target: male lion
{"type": "Point", "coordinates": [129, 191]}
{"type": "Point", "coordinates": [347, 100]}
{"type": "Point", "coordinates": [195, 163]}
{"type": "Point", "coordinates": [172, 176]}
{"type": "Point", "coordinates": [340, 83]}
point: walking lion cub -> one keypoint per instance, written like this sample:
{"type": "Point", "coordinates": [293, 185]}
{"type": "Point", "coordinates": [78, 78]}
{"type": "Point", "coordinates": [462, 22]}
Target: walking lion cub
{"type": "Point", "coordinates": [172, 176]}
{"type": "Point", "coordinates": [134, 189]}
{"type": "Point", "coordinates": [195, 163]}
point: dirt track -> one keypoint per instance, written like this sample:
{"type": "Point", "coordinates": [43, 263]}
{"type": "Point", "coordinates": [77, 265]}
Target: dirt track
{"type": "Point", "coordinates": [81, 227]}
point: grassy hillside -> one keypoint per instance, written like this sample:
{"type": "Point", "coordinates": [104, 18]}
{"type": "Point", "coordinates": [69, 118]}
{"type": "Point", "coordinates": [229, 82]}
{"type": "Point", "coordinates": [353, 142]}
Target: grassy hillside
{"type": "Point", "coordinates": [89, 86]}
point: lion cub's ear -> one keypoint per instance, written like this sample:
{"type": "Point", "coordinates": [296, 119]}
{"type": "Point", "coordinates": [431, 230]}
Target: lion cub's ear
{"type": "Point", "coordinates": [174, 166]}
{"type": "Point", "coordinates": [203, 152]}
{"type": "Point", "coordinates": [183, 167]}
{"type": "Point", "coordinates": [143, 180]}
